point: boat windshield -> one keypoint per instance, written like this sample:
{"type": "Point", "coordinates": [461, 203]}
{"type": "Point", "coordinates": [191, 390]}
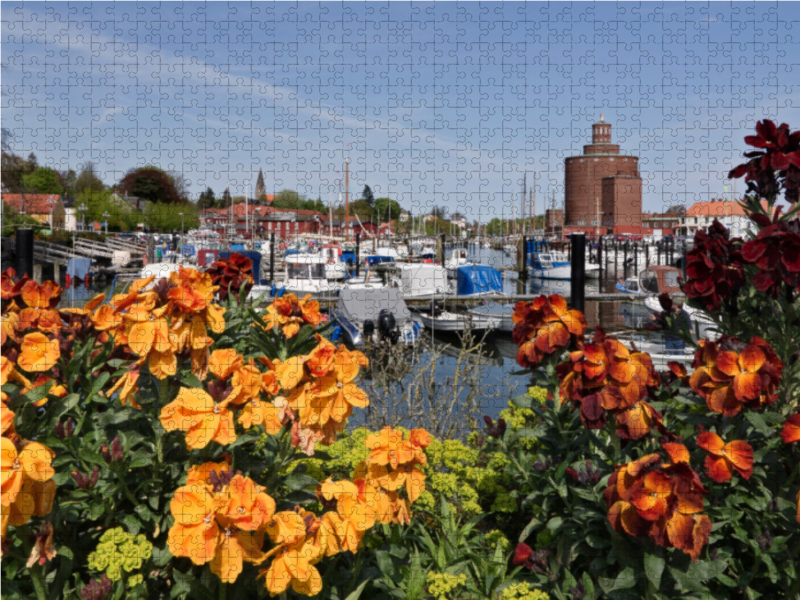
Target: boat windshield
{"type": "Point", "coordinates": [632, 285]}
{"type": "Point", "coordinates": [306, 271]}
{"type": "Point", "coordinates": [650, 281]}
{"type": "Point", "coordinates": [671, 278]}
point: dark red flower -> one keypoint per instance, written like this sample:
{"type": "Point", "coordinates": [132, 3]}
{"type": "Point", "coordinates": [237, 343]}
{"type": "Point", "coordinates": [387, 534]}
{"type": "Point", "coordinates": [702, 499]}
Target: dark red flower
{"type": "Point", "coordinates": [778, 154]}
{"type": "Point", "coordinates": [776, 253]}
{"type": "Point", "coordinates": [714, 268]}
{"type": "Point", "coordinates": [231, 274]}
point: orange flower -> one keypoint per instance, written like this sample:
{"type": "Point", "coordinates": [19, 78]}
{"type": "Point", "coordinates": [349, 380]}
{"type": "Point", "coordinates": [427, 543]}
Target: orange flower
{"type": "Point", "coordinates": [9, 289]}
{"type": "Point", "coordinates": [35, 499]}
{"type": "Point", "coordinates": [321, 359]}
{"type": "Point", "coordinates": [724, 458]}
{"type": "Point", "coordinates": [637, 421]}
{"type": "Point", "coordinates": [53, 388]}
{"type": "Point", "coordinates": [7, 418]}
{"type": "Point", "coordinates": [631, 373]}
{"type": "Point", "coordinates": [299, 546]}
{"type": "Point", "coordinates": [289, 314]}
{"type": "Point", "coordinates": [389, 448]}
{"type": "Point", "coordinates": [87, 309]}
{"type": "Point", "coordinates": [791, 430]}
{"type": "Point", "coordinates": [543, 327]}
{"type": "Point", "coordinates": [148, 335]}
{"type": "Point", "coordinates": [223, 363]}
{"type": "Point", "coordinates": [42, 296]}
{"type": "Point", "coordinates": [660, 501]}
{"type": "Point", "coordinates": [202, 474]}
{"type": "Point", "coordinates": [29, 464]}
{"type": "Point", "coordinates": [196, 533]}
{"type": "Point", "coordinates": [203, 420]}
{"type": "Point", "coordinates": [728, 380]}
{"type": "Point", "coordinates": [46, 321]}
{"type": "Point", "coordinates": [9, 373]}
{"type": "Point", "coordinates": [106, 318]}
{"type": "Point", "coordinates": [126, 385]}
{"type": "Point", "coordinates": [38, 353]}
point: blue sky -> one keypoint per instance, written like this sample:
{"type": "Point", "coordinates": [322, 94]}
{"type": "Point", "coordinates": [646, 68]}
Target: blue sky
{"type": "Point", "coordinates": [444, 104]}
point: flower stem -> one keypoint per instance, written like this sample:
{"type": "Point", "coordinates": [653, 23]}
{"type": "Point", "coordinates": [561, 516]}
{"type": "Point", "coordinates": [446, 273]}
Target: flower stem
{"type": "Point", "coordinates": [223, 590]}
{"type": "Point", "coordinates": [37, 577]}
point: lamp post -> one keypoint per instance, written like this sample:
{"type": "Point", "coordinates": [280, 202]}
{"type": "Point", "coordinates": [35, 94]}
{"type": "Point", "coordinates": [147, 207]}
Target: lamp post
{"type": "Point", "coordinates": [105, 216]}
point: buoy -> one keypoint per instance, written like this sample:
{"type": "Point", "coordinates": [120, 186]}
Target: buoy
{"type": "Point", "coordinates": [68, 280]}
{"type": "Point", "coordinates": [87, 280]}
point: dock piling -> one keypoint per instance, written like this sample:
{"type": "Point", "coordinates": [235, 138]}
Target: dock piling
{"type": "Point", "coordinates": [24, 252]}
{"type": "Point", "coordinates": [272, 258]}
{"type": "Point", "coordinates": [578, 271]}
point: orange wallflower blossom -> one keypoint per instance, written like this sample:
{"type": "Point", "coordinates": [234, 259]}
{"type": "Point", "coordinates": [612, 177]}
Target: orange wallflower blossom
{"type": "Point", "coordinates": [8, 373]}
{"type": "Point", "coordinates": [41, 296]}
{"type": "Point", "coordinates": [121, 302]}
{"type": "Point", "coordinates": [35, 499]}
{"type": "Point", "coordinates": [45, 320]}
{"type": "Point", "coordinates": [127, 388]}
{"type": "Point", "coordinates": [393, 462]}
{"type": "Point", "coordinates": [28, 463]}
{"type": "Point", "coordinates": [663, 502]}
{"type": "Point", "coordinates": [38, 353]}
{"type": "Point", "coordinates": [54, 388]}
{"type": "Point", "coordinates": [730, 374]}
{"type": "Point", "coordinates": [724, 458]}
{"type": "Point", "coordinates": [227, 525]}
{"type": "Point", "coordinates": [791, 430]}
{"type": "Point", "coordinates": [149, 336]}
{"type": "Point", "coordinates": [637, 421]}
{"type": "Point", "coordinates": [298, 549]}
{"type": "Point", "coordinates": [8, 289]}
{"type": "Point", "coordinates": [543, 327]}
{"type": "Point", "coordinates": [87, 309]}
{"type": "Point", "coordinates": [6, 419]}
{"type": "Point", "coordinates": [195, 412]}
{"type": "Point", "coordinates": [289, 314]}
{"type": "Point", "coordinates": [630, 372]}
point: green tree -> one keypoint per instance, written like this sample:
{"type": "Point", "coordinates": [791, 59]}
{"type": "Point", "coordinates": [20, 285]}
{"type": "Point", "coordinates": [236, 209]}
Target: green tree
{"type": "Point", "coordinates": [88, 180]}
{"type": "Point", "coordinates": [367, 196]}
{"type": "Point", "coordinates": [43, 180]}
{"type": "Point", "coordinates": [288, 199]}
{"type": "Point", "coordinates": [362, 210]}
{"type": "Point", "coordinates": [99, 206]}
{"type": "Point", "coordinates": [225, 200]}
{"type": "Point", "coordinates": [12, 220]}
{"type": "Point", "coordinates": [206, 199]}
{"type": "Point", "coordinates": [167, 218]}
{"type": "Point", "coordinates": [12, 169]}
{"type": "Point", "coordinates": [69, 177]}
{"type": "Point", "coordinates": [152, 184]}
{"type": "Point", "coordinates": [387, 208]}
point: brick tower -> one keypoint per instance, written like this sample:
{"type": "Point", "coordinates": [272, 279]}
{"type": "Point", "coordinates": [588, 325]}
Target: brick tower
{"type": "Point", "coordinates": [602, 183]}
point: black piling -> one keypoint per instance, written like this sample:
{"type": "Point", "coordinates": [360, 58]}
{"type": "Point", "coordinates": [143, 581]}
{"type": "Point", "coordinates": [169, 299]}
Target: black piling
{"type": "Point", "coordinates": [523, 272]}
{"type": "Point", "coordinates": [600, 259]}
{"type": "Point", "coordinates": [659, 243]}
{"type": "Point", "coordinates": [569, 251]}
{"type": "Point", "coordinates": [578, 271]}
{"type": "Point", "coordinates": [616, 258]}
{"type": "Point", "coordinates": [646, 254]}
{"type": "Point", "coordinates": [441, 250]}
{"type": "Point", "coordinates": [625, 260]}
{"type": "Point", "coordinates": [683, 262]}
{"type": "Point", "coordinates": [25, 252]}
{"type": "Point", "coordinates": [358, 253]}
{"type": "Point", "coordinates": [635, 258]}
{"type": "Point", "coordinates": [272, 258]}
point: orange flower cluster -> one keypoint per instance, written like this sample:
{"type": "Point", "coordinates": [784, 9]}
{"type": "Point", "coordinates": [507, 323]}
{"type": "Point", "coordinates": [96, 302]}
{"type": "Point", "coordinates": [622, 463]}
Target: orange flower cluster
{"type": "Point", "coordinates": [730, 375]}
{"type": "Point", "coordinates": [290, 314]}
{"type": "Point", "coordinates": [724, 458]}
{"type": "Point", "coordinates": [394, 464]}
{"type": "Point", "coordinates": [543, 327]}
{"type": "Point", "coordinates": [604, 376]}
{"type": "Point", "coordinates": [26, 485]}
{"type": "Point", "coordinates": [660, 501]}
{"type": "Point", "coordinates": [221, 518]}
{"type": "Point", "coordinates": [320, 392]}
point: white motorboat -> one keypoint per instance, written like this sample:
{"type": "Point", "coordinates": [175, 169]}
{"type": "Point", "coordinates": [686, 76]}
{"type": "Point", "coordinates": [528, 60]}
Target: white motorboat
{"type": "Point", "coordinates": [555, 265]}
{"type": "Point", "coordinates": [305, 274]}
{"type": "Point", "coordinates": [702, 326]}
{"type": "Point", "coordinates": [501, 312]}
{"type": "Point", "coordinates": [456, 322]}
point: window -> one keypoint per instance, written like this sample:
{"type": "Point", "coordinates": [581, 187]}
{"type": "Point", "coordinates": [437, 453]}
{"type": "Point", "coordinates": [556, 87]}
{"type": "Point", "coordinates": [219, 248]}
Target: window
{"type": "Point", "coordinates": [649, 282]}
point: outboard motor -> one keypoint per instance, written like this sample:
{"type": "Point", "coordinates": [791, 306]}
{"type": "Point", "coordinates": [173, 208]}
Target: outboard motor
{"type": "Point", "coordinates": [387, 325]}
{"type": "Point", "coordinates": [369, 329]}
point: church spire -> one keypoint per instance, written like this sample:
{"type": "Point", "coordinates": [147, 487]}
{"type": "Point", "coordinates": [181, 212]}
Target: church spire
{"type": "Point", "coordinates": [261, 189]}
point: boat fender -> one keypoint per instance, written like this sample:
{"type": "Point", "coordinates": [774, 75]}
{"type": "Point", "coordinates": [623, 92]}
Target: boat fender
{"type": "Point", "coordinates": [67, 280]}
{"type": "Point", "coordinates": [273, 289]}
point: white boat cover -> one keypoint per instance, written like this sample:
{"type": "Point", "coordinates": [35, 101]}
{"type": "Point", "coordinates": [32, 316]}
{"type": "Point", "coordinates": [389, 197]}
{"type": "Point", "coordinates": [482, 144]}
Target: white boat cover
{"type": "Point", "coordinates": [358, 305]}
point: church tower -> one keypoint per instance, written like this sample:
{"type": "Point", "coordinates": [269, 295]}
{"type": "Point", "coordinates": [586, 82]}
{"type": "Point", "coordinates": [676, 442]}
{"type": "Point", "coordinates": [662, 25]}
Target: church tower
{"type": "Point", "coordinates": [261, 190]}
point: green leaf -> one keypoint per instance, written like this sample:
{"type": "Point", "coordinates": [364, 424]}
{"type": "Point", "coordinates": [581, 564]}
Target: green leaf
{"type": "Point", "coordinates": [298, 481]}
{"type": "Point", "coordinates": [654, 568]}
{"type": "Point", "coordinates": [131, 523]}
{"type": "Point", "coordinates": [626, 579]}
{"type": "Point", "coordinates": [98, 384]}
{"type": "Point", "coordinates": [588, 585]}
{"type": "Point", "coordinates": [190, 380]}
{"type": "Point", "coordinates": [523, 401]}
{"type": "Point", "coordinates": [356, 593]}
{"type": "Point", "coordinates": [528, 529]}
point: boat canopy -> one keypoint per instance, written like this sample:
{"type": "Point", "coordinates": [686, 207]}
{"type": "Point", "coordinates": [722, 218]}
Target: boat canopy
{"type": "Point", "coordinates": [422, 279]}
{"type": "Point", "coordinates": [358, 305]}
{"type": "Point", "coordinates": [378, 259]}
{"type": "Point", "coordinates": [478, 279]}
